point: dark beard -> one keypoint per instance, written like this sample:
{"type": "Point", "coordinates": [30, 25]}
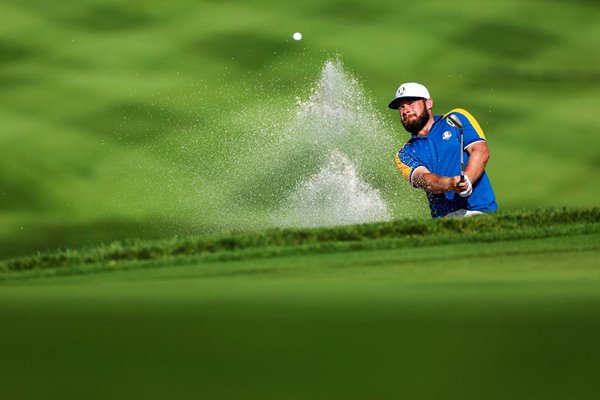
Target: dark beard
{"type": "Point", "coordinates": [416, 126]}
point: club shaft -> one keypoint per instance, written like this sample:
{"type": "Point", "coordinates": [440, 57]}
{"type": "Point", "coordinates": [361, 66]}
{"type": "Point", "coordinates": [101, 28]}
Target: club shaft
{"type": "Point", "coordinates": [455, 121]}
{"type": "Point", "coordinates": [462, 156]}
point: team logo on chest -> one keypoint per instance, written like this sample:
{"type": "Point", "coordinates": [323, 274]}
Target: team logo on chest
{"type": "Point", "coordinates": [446, 135]}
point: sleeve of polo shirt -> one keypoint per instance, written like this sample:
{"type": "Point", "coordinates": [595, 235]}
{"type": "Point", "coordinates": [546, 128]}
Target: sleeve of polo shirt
{"type": "Point", "coordinates": [407, 164]}
{"type": "Point", "coordinates": [472, 130]}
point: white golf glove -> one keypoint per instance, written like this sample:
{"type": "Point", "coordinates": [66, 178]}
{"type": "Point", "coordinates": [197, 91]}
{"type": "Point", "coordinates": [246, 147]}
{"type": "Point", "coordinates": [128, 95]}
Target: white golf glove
{"type": "Point", "coordinates": [467, 192]}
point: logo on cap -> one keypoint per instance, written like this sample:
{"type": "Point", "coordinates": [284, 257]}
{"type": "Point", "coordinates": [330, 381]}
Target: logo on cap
{"type": "Point", "coordinates": [402, 90]}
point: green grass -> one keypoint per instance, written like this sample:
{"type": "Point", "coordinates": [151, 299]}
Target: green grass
{"type": "Point", "coordinates": [488, 307]}
{"type": "Point", "coordinates": [397, 234]}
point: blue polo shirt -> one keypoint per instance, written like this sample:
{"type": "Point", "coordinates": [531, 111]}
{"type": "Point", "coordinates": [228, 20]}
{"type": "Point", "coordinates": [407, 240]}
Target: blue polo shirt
{"type": "Point", "coordinates": [439, 152]}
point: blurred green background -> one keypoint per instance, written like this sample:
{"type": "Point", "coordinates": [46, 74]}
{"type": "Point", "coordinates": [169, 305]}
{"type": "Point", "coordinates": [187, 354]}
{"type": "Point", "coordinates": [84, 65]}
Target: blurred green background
{"type": "Point", "coordinates": [499, 320]}
{"type": "Point", "coordinates": [121, 118]}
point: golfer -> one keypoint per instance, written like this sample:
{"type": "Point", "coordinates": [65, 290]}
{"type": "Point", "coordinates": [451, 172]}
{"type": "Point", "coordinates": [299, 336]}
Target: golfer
{"type": "Point", "coordinates": [431, 159]}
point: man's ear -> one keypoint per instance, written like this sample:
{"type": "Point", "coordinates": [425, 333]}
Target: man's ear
{"type": "Point", "coordinates": [429, 103]}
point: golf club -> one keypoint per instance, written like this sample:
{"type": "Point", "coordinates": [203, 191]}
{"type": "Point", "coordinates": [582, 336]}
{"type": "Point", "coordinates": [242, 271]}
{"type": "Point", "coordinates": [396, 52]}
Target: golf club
{"type": "Point", "coordinates": [454, 121]}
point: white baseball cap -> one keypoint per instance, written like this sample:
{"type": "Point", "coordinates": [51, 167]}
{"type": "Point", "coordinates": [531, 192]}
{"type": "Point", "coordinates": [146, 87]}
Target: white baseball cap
{"type": "Point", "coordinates": [409, 90]}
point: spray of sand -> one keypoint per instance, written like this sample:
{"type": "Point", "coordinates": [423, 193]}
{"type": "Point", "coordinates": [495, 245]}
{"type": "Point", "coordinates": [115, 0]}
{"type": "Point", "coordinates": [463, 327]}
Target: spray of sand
{"type": "Point", "coordinates": [320, 165]}
{"type": "Point", "coordinates": [335, 195]}
{"type": "Point", "coordinates": [343, 136]}
{"type": "Point", "coordinates": [325, 160]}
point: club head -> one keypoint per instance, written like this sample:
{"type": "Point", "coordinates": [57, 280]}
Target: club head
{"type": "Point", "coordinates": [454, 121]}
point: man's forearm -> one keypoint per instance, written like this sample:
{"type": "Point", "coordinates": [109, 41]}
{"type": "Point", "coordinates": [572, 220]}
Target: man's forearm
{"type": "Point", "coordinates": [433, 183]}
{"type": "Point", "coordinates": [478, 157]}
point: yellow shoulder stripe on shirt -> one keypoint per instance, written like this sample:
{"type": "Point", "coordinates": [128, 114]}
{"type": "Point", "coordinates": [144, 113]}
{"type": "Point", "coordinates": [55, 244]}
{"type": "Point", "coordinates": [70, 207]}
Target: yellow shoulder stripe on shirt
{"type": "Point", "coordinates": [471, 119]}
{"type": "Point", "coordinates": [403, 168]}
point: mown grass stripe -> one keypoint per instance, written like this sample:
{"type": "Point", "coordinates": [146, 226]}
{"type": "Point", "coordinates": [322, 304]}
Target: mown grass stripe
{"type": "Point", "coordinates": [406, 233]}
{"type": "Point", "coordinates": [475, 248]}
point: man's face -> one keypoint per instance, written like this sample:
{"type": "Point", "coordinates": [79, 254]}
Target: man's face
{"type": "Point", "coordinates": [413, 114]}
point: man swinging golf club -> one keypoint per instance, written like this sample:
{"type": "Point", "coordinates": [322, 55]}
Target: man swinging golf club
{"type": "Point", "coordinates": [434, 157]}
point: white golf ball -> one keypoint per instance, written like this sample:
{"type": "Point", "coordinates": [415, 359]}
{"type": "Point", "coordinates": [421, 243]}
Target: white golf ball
{"type": "Point", "coordinates": [297, 36]}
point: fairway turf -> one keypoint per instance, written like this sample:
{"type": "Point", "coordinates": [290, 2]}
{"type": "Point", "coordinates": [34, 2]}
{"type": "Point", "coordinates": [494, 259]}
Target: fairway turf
{"type": "Point", "coordinates": [512, 319]}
